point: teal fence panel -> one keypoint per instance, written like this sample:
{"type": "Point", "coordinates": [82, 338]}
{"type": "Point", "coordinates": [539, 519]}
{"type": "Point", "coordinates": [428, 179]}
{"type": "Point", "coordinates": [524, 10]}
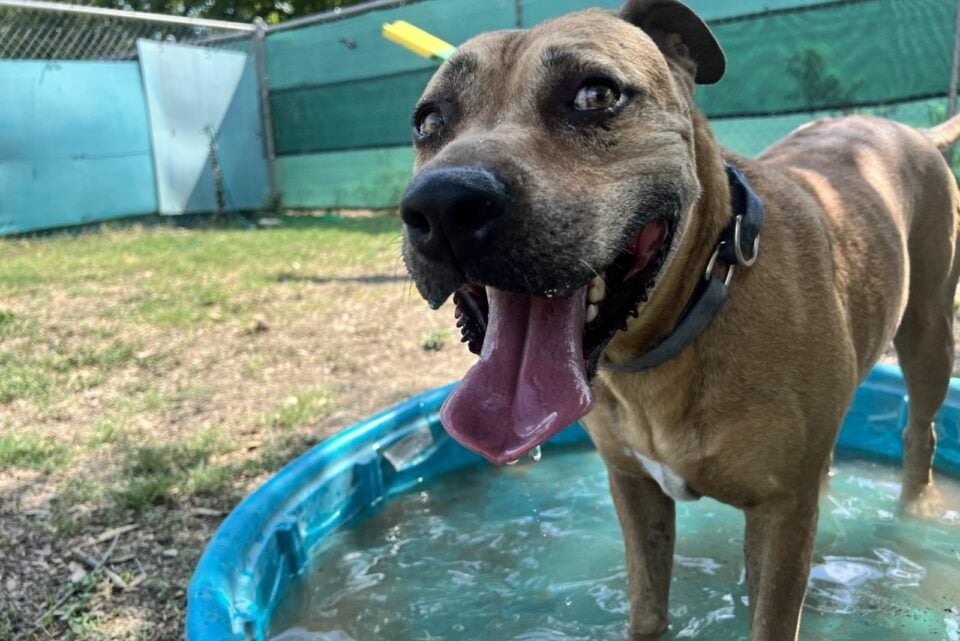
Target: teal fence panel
{"type": "Point", "coordinates": [74, 144]}
{"type": "Point", "coordinates": [358, 89]}
{"type": "Point", "coordinates": [206, 126]}
{"type": "Point", "coordinates": [367, 178]}
{"type": "Point", "coordinates": [801, 61]}
{"type": "Point", "coordinates": [340, 88]}
{"type": "Point", "coordinates": [536, 11]}
{"type": "Point", "coordinates": [750, 136]}
{"type": "Point", "coordinates": [341, 98]}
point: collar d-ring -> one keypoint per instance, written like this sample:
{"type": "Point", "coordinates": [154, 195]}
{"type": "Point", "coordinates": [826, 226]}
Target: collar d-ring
{"type": "Point", "coordinates": [738, 248]}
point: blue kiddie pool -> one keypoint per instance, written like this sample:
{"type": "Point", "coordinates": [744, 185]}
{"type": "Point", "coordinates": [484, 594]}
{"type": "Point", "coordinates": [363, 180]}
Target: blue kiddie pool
{"type": "Point", "coordinates": [368, 536]}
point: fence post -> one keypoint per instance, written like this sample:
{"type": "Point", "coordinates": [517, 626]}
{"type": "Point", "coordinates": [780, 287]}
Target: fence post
{"type": "Point", "coordinates": [269, 151]}
{"type": "Point", "coordinates": [518, 12]}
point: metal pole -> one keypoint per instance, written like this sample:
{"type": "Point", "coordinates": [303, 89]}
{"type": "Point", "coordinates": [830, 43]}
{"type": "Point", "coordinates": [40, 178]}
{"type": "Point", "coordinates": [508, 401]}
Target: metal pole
{"type": "Point", "coordinates": [124, 15]}
{"type": "Point", "coordinates": [269, 150]}
{"type": "Point", "coordinates": [518, 9]}
{"type": "Point", "coordinates": [339, 14]}
{"type": "Point", "coordinates": [955, 67]}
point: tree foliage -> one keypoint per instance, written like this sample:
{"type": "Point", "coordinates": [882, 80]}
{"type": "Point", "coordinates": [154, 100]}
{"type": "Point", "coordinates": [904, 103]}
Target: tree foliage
{"type": "Point", "coordinates": [273, 11]}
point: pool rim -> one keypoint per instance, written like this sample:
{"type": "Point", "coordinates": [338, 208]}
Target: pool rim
{"type": "Point", "coordinates": [268, 528]}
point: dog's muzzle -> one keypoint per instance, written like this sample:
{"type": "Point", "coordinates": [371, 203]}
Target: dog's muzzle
{"type": "Point", "coordinates": [451, 213]}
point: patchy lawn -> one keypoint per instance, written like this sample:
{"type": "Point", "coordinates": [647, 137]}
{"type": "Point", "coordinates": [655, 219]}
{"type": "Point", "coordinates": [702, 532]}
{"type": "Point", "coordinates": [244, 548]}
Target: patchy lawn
{"type": "Point", "coordinates": [151, 377]}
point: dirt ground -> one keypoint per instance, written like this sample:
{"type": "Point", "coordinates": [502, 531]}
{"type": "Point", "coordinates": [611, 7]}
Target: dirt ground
{"type": "Point", "coordinates": [142, 428]}
{"type": "Point", "coordinates": [318, 351]}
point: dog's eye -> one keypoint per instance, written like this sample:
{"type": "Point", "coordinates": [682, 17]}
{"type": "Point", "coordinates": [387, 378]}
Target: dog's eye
{"type": "Point", "coordinates": [596, 95]}
{"type": "Point", "coordinates": [429, 123]}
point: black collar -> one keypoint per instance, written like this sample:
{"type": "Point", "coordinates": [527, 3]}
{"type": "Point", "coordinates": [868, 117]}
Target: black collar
{"type": "Point", "coordinates": [738, 245]}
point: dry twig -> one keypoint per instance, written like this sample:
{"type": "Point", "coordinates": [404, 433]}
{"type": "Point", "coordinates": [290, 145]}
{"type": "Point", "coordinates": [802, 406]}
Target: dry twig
{"type": "Point", "coordinates": [38, 622]}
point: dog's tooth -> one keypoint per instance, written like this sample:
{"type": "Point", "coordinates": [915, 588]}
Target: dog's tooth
{"type": "Point", "coordinates": [592, 312]}
{"type": "Point", "coordinates": [597, 290]}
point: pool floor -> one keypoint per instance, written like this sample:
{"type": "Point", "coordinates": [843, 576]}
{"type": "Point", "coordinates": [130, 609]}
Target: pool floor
{"type": "Point", "coordinates": [533, 552]}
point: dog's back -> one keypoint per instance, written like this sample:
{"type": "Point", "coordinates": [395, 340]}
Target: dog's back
{"type": "Point", "coordinates": [891, 202]}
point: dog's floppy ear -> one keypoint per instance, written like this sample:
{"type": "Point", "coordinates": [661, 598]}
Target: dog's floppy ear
{"type": "Point", "coordinates": [681, 35]}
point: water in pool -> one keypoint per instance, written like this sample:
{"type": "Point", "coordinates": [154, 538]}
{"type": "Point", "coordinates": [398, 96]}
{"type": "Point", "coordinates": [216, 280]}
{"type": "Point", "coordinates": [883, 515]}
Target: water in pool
{"type": "Point", "coordinates": [534, 553]}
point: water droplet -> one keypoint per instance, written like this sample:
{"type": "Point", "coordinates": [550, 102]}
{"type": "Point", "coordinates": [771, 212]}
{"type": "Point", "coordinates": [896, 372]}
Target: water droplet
{"type": "Point", "coordinates": [536, 454]}
{"type": "Point", "coordinates": [513, 462]}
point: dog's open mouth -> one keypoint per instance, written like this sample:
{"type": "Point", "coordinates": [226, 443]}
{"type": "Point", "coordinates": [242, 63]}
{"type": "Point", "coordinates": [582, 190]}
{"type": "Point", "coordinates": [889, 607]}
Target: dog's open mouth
{"type": "Point", "coordinates": [537, 353]}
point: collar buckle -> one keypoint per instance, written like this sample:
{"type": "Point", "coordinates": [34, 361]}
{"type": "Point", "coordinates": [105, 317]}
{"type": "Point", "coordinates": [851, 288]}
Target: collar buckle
{"type": "Point", "coordinates": [712, 263]}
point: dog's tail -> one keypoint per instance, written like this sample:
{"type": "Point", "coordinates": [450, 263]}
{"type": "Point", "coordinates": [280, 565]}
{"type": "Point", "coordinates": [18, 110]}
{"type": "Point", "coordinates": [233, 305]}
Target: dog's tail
{"type": "Point", "coordinates": [945, 134]}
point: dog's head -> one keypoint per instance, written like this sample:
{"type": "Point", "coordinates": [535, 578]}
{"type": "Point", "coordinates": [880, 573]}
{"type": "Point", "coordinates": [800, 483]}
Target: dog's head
{"type": "Point", "coordinates": [555, 170]}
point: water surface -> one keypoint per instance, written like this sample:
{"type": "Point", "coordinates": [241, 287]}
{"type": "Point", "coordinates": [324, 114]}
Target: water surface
{"type": "Point", "coordinates": [534, 553]}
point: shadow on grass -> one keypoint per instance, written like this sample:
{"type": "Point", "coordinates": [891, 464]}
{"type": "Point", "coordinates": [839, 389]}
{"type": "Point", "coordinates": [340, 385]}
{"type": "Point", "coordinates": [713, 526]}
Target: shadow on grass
{"type": "Point", "coordinates": [377, 222]}
{"type": "Point", "coordinates": [374, 279]}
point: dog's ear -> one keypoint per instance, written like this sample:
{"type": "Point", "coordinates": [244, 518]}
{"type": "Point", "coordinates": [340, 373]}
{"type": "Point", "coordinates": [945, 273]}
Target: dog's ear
{"type": "Point", "coordinates": [681, 35]}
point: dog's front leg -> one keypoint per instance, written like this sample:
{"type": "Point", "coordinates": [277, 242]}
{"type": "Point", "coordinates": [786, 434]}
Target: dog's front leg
{"type": "Point", "coordinates": [648, 520]}
{"type": "Point", "coordinates": [778, 547]}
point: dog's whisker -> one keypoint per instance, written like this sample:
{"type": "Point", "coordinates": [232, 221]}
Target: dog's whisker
{"type": "Point", "coordinates": [592, 269]}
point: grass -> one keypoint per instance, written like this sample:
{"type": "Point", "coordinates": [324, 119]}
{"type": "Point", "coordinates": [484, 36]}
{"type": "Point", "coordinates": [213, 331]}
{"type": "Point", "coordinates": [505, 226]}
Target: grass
{"type": "Point", "coordinates": [33, 369]}
{"type": "Point", "coordinates": [164, 473]}
{"type": "Point", "coordinates": [171, 472]}
{"type": "Point", "coordinates": [106, 432]}
{"type": "Point", "coordinates": [28, 450]}
{"type": "Point", "coordinates": [130, 281]}
{"type": "Point", "coordinates": [216, 263]}
{"type": "Point", "coordinates": [162, 278]}
{"type": "Point", "coordinates": [153, 375]}
{"type": "Point", "coordinates": [434, 339]}
{"type": "Point", "coordinates": [301, 409]}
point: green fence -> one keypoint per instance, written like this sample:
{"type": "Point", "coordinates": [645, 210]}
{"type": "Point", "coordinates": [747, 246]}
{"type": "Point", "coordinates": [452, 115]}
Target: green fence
{"type": "Point", "coordinates": [341, 95]}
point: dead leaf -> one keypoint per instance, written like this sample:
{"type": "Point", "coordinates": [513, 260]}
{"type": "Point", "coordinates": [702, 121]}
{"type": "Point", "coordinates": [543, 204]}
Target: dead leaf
{"type": "Point", "coordinates": [77, 572]}
{"type": "Point", "coordinates": [115, 532]}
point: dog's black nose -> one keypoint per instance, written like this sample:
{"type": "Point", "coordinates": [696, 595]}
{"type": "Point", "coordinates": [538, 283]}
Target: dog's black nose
{"type": "Point", "coordinates": [452, 210]}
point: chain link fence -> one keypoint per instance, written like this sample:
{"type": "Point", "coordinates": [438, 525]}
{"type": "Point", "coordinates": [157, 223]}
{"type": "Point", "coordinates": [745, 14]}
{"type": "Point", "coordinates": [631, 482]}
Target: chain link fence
{"type": "Point", "coordinates": [53, 31]}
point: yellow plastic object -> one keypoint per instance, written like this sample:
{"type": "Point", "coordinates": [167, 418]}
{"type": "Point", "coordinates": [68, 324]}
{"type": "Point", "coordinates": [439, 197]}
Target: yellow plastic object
{"type": "Point", "coordinates": [417, 40]}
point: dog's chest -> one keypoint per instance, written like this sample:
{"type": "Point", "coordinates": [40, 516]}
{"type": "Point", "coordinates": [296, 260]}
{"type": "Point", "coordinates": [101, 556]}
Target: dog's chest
{"type": "Point", "coordinates": [669, 481]}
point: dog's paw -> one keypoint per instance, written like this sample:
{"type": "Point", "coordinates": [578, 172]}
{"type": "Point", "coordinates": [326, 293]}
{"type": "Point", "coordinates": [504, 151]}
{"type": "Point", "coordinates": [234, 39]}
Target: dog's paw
{"type": "Point", "coordinates": [922, 501]}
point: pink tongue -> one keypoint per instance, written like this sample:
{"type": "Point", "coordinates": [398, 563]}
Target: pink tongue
{"type": "Point", "coordinates": [530, 382]}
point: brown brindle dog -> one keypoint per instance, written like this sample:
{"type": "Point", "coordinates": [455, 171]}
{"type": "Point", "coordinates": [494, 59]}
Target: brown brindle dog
{"type": "Point", "coordinates": [570, 197]}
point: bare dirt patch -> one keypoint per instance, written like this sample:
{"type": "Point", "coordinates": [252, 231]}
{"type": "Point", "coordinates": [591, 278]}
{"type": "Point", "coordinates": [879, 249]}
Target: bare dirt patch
{"type": "Point", "coordinates": [143, 427]}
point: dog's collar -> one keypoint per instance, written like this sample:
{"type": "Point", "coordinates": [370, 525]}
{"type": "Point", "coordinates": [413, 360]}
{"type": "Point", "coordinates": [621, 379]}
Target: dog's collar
{"type": "Point", "coordinates": [739, 244]}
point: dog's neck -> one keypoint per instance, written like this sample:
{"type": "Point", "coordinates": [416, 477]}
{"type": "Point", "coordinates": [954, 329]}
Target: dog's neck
{"type": "Point", "coordinates": [706, 221]}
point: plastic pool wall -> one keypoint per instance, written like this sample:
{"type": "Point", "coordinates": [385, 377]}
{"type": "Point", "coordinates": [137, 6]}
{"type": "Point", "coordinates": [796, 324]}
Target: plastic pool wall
{"type": "Point", "coordinates": [265, 542]}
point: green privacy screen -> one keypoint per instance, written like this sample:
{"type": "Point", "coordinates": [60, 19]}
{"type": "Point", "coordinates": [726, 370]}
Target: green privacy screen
{"type": "Point", "coordinates": [341, 95]}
